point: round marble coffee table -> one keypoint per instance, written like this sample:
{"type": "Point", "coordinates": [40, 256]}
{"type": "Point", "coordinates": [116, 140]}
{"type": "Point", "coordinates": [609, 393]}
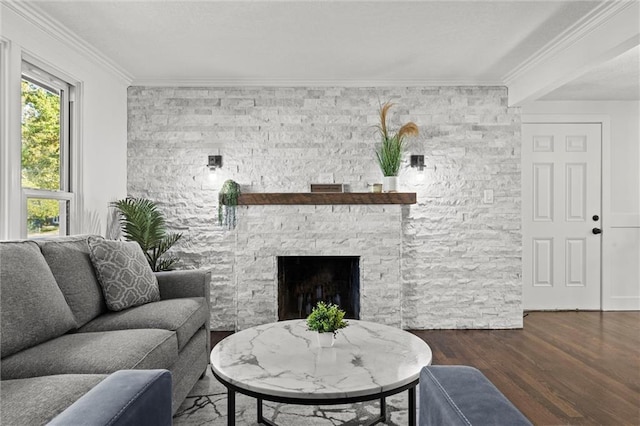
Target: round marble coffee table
{"type": "Point", "coordinates": [282, 362]}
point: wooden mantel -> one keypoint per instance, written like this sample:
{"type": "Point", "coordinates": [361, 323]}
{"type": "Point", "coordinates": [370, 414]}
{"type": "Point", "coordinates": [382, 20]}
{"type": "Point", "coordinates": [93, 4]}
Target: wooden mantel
{"type": "Point", "coordinates": [263, 198]}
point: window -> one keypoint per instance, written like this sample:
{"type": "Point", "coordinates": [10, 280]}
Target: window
{"type": "Point", "coordinates": [46, 153]}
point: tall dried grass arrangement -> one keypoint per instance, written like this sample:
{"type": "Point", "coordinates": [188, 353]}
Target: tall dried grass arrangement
{"type": "Point", "coordinates": [390, 152]}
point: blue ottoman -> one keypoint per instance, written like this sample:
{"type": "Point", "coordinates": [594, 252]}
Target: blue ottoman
{"type": "Point", "coordinates": [462, 395]}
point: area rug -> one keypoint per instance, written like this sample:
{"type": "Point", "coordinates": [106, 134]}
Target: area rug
{"type": "Point", "coordinates": [207, 405]}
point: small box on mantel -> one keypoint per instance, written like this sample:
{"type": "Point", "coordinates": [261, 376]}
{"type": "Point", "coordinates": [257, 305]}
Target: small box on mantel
{"type": "Point", "coordinates": [327, 187]}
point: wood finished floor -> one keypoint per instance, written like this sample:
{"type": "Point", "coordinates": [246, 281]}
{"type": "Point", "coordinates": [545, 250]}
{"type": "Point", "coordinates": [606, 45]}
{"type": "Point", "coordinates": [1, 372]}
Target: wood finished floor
{"type": "Point", "coordinates": [577, 368]}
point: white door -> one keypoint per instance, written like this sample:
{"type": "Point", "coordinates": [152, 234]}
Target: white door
{"type": "Point", "coordinates": [561, 207]}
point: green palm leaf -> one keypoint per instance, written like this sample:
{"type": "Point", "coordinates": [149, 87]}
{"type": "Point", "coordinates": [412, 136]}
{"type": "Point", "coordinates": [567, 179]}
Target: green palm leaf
{"type": "Point", "coordinates": [141, 222]}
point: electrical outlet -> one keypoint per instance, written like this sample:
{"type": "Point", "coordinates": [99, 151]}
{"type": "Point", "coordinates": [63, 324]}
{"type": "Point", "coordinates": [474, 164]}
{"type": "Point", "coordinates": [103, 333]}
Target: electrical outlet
{"type": "Point", "coordinates": [488, 196]}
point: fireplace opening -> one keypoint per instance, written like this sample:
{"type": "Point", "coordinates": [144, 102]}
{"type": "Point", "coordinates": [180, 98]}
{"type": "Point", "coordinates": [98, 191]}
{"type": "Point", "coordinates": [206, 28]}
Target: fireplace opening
{"type": "Point", "coordinates": [303, 281]}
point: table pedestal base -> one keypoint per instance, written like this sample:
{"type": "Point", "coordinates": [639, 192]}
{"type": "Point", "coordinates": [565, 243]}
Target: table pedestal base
{"type": "Point", "coordinates": [231, 404]}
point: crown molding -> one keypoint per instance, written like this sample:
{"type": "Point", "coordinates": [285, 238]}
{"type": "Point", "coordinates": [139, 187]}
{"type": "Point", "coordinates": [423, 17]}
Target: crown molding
{"type": "Point", "coordinates": [562, 42]}
{"type": "Point", "coordinates": [216, 82]}
{"type": "Point", "coordinates": [60, 32]}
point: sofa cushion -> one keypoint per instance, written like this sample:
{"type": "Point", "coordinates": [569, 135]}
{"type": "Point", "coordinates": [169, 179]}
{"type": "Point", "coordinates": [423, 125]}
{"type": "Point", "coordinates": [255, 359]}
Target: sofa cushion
{"type": "Point", "coordinates": [123, 272]}
{"type": "Point", "coordinates": [68, 258]}
{"type": "Point", "coordinates": [94, 353]}
{"type": "Point", "coordinates": [184, 316]}
{"type": "Point", "coordinates": [37, 400]}
{"type": "Point", "coordinates": [33, 307]}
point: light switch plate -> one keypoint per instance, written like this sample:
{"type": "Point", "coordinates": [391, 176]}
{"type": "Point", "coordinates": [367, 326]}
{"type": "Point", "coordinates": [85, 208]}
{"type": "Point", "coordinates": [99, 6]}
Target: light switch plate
{"type": "Point", "coordinates": [488, 196]}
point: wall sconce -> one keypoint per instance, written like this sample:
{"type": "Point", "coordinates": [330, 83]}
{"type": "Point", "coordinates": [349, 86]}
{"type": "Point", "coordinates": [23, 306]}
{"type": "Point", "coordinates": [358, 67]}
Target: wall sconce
{"type": "Point", "coordinates": [417, 161]}
{"type": "Point", "coordinates": [214, 162]}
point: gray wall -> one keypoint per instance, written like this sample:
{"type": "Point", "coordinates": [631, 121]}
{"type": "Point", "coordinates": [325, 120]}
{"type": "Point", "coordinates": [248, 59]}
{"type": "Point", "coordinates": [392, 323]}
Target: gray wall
{"type": "Point", "coordinates": [460, 258]}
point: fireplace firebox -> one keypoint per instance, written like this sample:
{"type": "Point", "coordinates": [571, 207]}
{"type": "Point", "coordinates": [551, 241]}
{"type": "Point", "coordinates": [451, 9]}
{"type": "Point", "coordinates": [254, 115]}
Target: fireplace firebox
{"type": "Point", "coordinates": [303, 281]}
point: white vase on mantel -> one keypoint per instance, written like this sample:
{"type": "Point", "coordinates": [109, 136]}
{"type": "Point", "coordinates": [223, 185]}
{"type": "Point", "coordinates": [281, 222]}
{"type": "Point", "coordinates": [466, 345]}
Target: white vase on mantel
{"type": "Point", "coordinates": [390, 184]}
{"type": "Point", "coordinates": [326, 340]}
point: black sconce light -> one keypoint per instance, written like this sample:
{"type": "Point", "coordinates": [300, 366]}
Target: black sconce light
{"type": "Point", "coordinates": [215, 162]}
{"type": "Point", "coordinates": [417, 161]}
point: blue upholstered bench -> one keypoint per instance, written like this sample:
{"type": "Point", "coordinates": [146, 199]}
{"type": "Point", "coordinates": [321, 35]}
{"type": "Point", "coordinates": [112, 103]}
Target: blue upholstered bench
{"type": "Point", "coordinates": [461, 395]}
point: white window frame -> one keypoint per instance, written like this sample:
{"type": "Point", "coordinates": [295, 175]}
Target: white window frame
{"type": "Point", "coordinates": [47, 80]}
{"type": "Point", "coordinates": [12, 206]}
{"type": "Point", "coordinates": [9, 150]}
{"type": "Point", "coordinates": [12, 195]}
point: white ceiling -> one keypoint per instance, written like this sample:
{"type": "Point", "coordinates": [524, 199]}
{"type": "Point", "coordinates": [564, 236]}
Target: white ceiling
{"type": "Point", "coordinates": [616, 79]}
{"type": "Point", "coordinates": [335, 42]}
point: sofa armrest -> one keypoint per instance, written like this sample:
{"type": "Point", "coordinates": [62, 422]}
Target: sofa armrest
{"type": "Point", "coordinates": [185, 283]}
{"type": "Point", "coordinates": [126, 397]}
{"type": "Point", "coordinates": [461, 395]}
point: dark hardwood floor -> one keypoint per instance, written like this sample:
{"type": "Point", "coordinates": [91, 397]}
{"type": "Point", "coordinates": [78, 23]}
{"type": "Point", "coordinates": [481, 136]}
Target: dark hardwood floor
{"type": "Point", "coordinates": [562, 368]}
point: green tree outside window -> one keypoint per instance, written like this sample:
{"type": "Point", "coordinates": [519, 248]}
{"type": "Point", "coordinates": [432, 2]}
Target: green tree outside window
{"type": "Point", "coordinates": [41, 153]}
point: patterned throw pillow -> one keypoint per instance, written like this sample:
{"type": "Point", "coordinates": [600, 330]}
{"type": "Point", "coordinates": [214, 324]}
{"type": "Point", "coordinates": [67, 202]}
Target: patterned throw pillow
{"type": "Point", "coordinates": [123, 272]}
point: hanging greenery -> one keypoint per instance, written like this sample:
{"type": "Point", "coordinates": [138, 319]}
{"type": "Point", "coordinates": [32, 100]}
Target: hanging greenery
{"type": "Point", "coordinates": [227, 204]}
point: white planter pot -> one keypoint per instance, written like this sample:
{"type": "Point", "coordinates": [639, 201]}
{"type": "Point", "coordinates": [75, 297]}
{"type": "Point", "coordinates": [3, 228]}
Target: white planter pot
{"type": "Point", "coordinates": [326, 340]}
{"type": "Point", "coordinates": [390, 183]}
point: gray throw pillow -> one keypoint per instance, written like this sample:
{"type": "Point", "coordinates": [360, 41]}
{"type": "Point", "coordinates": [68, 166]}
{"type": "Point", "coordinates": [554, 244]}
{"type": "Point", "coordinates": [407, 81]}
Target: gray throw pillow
{"type": "Point", "coordinates": [123, 272]}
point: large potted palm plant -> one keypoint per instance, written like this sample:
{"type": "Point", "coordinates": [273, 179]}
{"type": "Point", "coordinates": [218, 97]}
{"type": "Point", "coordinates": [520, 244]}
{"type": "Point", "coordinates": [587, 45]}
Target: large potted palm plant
{"type": "Point", "coordinates": [391, 149]}
{"type": "Point", "coordinates": [141, 222]}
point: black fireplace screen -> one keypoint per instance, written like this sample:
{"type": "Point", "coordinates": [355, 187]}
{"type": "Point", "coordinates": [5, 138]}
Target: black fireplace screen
{"type": "Point", "coordinates": [305, 280]}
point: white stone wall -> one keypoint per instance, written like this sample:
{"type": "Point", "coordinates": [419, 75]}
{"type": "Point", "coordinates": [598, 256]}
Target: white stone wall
{"type": "Point", "coordinates": [459, 260]}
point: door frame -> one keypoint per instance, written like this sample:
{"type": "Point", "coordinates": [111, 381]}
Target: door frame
{"type": "Point", "coordinates": [605, 166]}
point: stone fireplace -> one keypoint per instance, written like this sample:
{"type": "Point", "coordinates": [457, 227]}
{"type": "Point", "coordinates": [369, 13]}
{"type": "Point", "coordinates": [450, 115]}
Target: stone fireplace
{"type": "Point", "coordinates": [268, 233]}
{"type": "Point", "coordinates": [303, 281]}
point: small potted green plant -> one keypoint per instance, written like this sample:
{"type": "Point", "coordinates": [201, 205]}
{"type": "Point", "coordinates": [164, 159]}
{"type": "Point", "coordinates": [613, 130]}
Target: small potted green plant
{"type": "Point", "coordinates": [326, 319]}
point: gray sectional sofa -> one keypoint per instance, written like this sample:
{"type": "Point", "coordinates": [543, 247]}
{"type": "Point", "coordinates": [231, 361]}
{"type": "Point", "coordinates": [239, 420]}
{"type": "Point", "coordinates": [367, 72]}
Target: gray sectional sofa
{"type": "Point", "coordinates": [59, 339]}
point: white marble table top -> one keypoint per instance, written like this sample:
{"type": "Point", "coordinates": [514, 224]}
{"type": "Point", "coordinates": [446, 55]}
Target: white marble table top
{"type": "Point", "coordinates": [283, 359]}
